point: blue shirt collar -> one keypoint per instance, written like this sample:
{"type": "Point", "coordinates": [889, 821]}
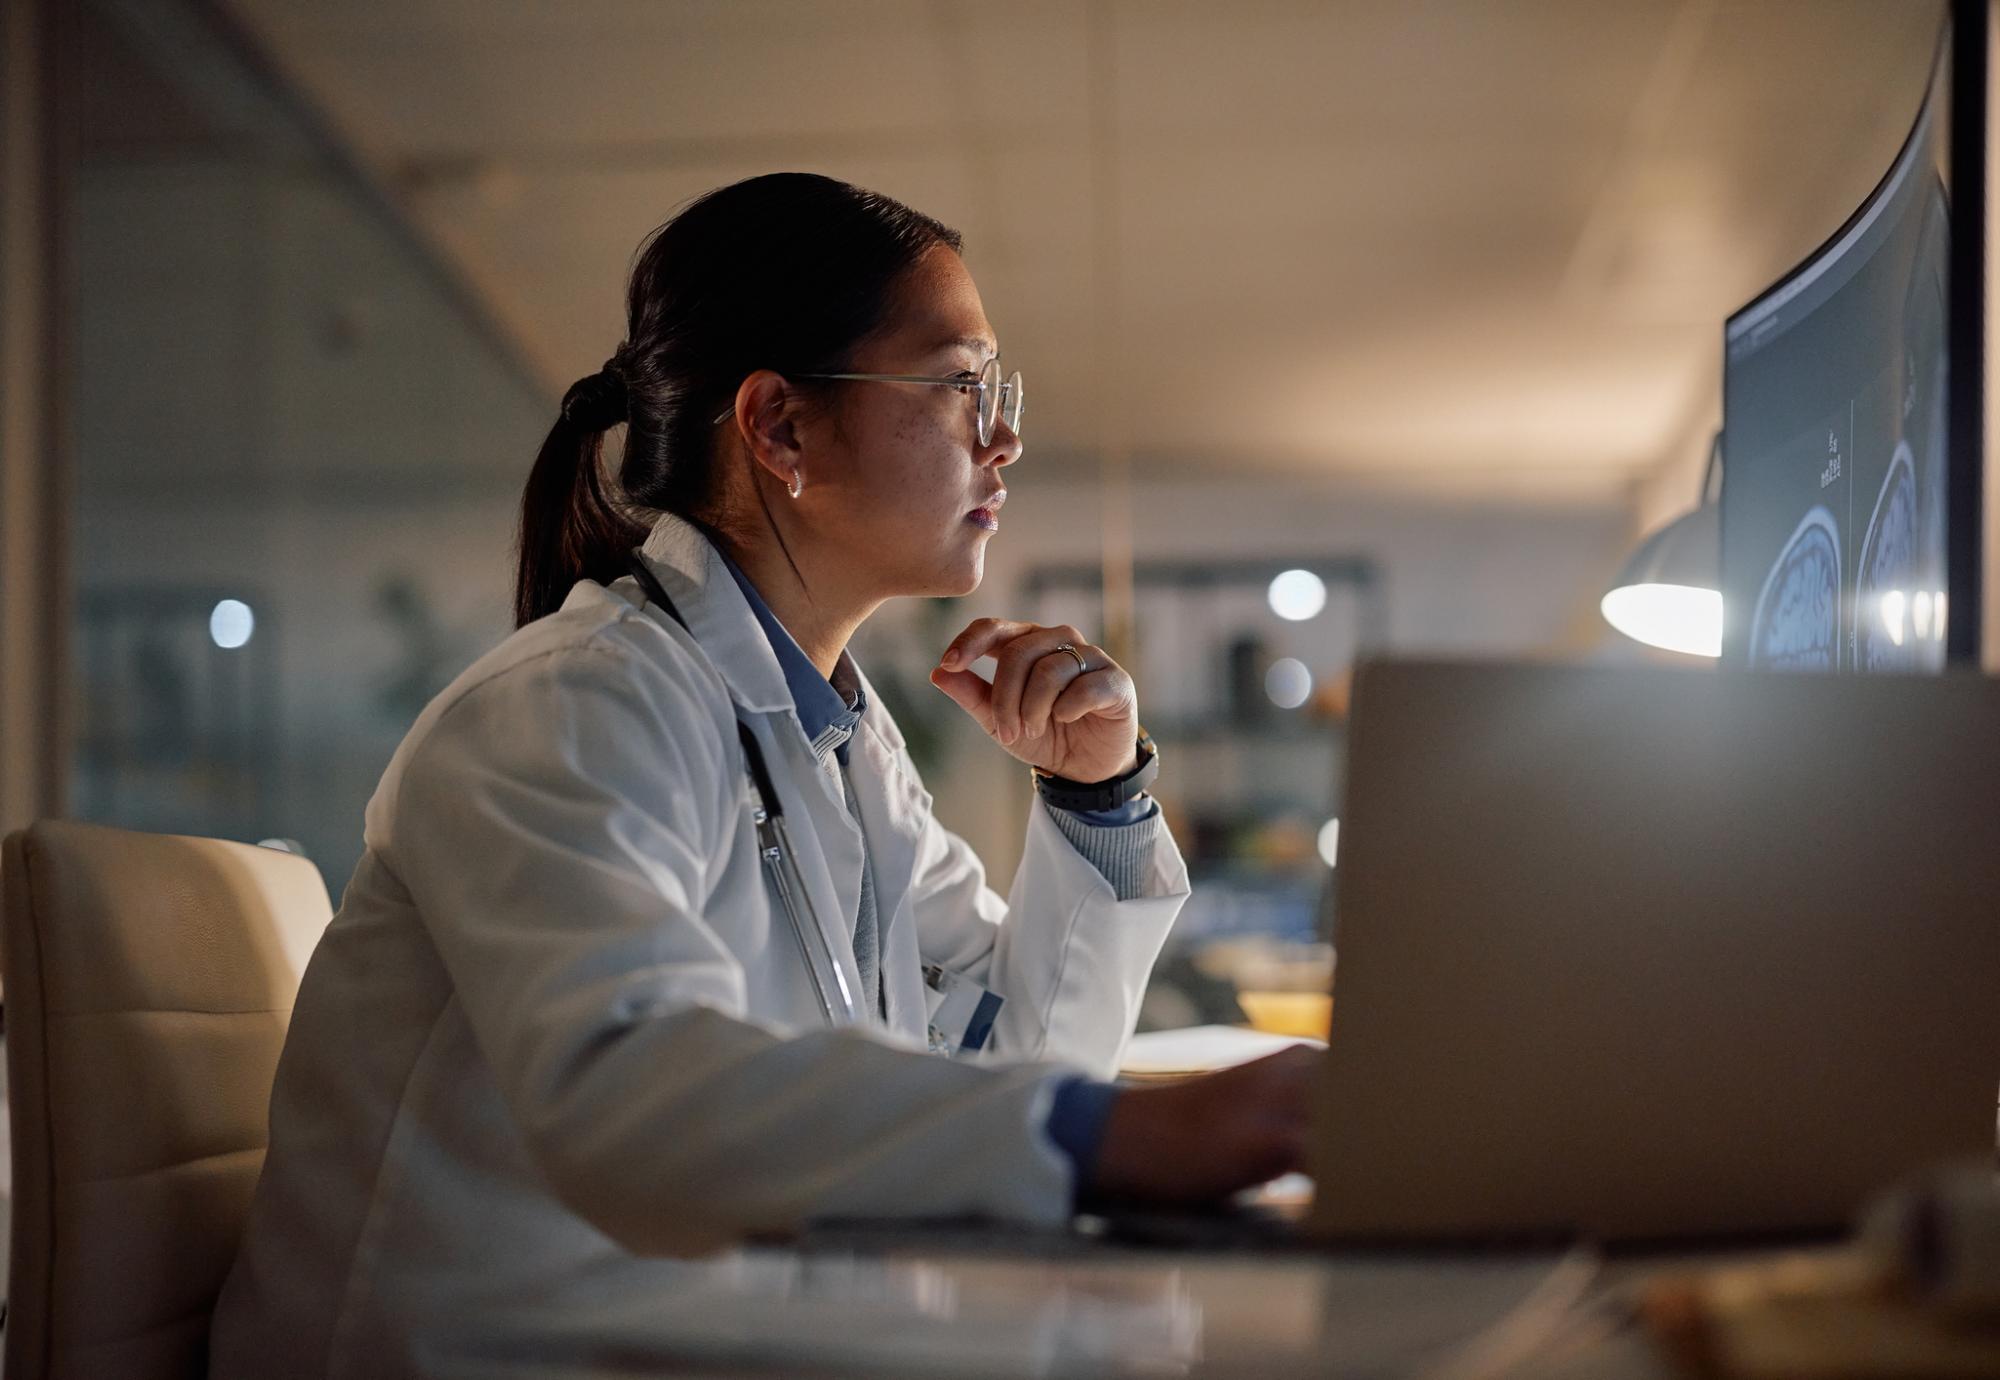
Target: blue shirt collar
{"type": "Point", "coordinates": [828, 709]}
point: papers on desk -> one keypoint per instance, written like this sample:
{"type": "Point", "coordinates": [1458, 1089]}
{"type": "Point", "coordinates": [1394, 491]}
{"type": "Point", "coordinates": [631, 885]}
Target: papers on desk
{"type": "Point", "coordinates": [1162, 1055]}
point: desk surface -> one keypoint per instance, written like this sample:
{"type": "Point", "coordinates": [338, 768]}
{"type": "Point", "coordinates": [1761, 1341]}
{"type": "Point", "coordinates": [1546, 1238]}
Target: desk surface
{"type": "Point", "coordinates": [942, 1306]}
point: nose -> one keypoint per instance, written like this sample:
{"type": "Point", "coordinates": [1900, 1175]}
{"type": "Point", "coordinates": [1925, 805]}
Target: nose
{"type": "Point", "coordinates": [1005, 447]}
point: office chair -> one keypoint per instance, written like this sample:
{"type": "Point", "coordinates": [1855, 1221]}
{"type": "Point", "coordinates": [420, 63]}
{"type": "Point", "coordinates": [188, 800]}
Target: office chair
{"type": "Point", "coordinates": [149, 980]}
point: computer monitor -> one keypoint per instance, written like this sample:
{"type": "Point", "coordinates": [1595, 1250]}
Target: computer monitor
{"type": "Point", "coordinates": [1852, 414]}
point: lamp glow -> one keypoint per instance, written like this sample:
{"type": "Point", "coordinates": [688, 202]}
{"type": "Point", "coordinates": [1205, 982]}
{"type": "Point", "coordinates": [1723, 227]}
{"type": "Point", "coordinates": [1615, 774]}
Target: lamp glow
{"type": "Point", "coordinates": [1669, 591]}
{"type": "Point", "coordinates": [1679, 618]}
{"type": "Point", "coordinates": [230, 624]}
{"type": "Point", "coordinates": [1297, 595]}
{"type": "Point", "coordinates": [1288, 682]}
{"type": "Point", "coordinates": [1920, 613]}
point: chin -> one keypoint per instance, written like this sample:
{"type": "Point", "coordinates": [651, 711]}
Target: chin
{"type": "Point", "coordinates": [961, 582]}
{"type": "Point", "coordinates": [956, 576]}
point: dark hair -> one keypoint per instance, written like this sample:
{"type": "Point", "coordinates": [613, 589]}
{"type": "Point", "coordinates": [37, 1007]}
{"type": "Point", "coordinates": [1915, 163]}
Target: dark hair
{"type": "Point", "coordinates": [789, 271]}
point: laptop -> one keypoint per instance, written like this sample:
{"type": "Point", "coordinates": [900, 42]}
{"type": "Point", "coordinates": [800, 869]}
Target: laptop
{"type": "Point", "coordinates": [1647, 954]}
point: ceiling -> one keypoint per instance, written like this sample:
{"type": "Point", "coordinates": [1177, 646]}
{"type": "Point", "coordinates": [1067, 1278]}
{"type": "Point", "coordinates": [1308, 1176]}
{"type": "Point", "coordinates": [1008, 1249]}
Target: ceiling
{"type": "Point", "coordinates": [1464, 247]}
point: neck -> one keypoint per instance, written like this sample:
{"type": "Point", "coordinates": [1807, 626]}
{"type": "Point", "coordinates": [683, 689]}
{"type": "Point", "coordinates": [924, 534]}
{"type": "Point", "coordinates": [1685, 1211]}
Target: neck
{"type": "Point", "coordinates": [821, 620]}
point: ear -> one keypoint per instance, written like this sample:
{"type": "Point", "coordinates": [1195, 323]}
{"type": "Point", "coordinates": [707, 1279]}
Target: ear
{"type": "Point", "coordinates": [767, 415]}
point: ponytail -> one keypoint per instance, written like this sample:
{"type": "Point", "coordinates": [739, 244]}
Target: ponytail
{"type": "Point", "coordinates": [571, 527]}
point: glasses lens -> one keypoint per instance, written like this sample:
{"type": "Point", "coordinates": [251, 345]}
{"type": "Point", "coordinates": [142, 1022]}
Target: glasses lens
{"type": "Point", "coordinates": [989, 400]}
{"type": "Point", "coordinates": [1011, 404]}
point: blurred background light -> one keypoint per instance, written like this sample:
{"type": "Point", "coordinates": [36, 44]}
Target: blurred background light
{"type": "Point", "coordinates": [1288, 682]}
{"type": "Point", "coordinates": [1297, 595]}
{"type": "Point", "coordinates": [231, 624]}
{"type": "Point", "coordinates": [1329, 842]}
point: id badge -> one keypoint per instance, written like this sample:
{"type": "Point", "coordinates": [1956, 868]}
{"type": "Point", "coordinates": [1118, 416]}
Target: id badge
{"type": "Point", "coordinates": [961, 1012]}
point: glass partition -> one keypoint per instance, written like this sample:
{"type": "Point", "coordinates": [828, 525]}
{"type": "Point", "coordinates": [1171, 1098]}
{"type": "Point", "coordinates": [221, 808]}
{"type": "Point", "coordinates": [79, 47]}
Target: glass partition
{"type": "Point", "coordinates": [297, 449]}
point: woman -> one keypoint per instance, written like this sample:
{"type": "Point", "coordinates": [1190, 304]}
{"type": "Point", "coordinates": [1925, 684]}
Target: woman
{"type": "Point", "coordinates": [573, 1013]}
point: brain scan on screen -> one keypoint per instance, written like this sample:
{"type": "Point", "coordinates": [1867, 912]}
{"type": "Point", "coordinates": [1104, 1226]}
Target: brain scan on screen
{"type": "Point", "coordinates": [1797, 623]}
{"type": "Point", "coordinates": [1837, 449]}
{"type": "Point", "coordinates": [1886, 580]}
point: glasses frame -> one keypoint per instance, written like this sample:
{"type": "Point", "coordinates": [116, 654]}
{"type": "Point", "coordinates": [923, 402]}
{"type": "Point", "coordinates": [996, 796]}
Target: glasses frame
{"type": "Point", "coordinates": [1008, 394]}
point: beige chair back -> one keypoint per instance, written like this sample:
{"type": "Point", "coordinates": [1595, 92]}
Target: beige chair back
{"type": "Point", "coordinates": [148, 980]}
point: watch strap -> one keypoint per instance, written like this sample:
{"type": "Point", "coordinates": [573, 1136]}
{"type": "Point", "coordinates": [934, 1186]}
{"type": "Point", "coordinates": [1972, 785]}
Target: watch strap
{"type": "Point", "coordinates": [1101, 795]}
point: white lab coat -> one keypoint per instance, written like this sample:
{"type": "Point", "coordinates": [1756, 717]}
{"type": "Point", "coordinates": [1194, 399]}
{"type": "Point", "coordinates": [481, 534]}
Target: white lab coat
{"type": "Point", "coordinates": [558, 1029]}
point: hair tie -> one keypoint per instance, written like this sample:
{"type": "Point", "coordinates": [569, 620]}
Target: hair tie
{"type": "Point", "coordinates": [598, 402]}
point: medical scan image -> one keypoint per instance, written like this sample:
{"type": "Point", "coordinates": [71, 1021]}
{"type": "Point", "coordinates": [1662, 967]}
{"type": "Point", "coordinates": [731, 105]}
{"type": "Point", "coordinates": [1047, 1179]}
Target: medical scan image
{"type": "Point", "coordinates": [1835, 454]}
{"type": "Point", "coordinates": [1797, 623]}
{"type": "Point", "coordinates": [1886, 577]}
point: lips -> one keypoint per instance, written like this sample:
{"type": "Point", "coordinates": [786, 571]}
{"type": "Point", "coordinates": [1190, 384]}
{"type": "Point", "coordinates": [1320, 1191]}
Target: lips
{"type": "Point", "coordinates": [987, 515]}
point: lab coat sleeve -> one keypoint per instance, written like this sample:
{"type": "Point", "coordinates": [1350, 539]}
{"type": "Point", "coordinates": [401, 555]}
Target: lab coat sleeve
{"type": "Point", "coordinates": [556, 830]}
{"type": "Point", "coordinates": [1069, 957]}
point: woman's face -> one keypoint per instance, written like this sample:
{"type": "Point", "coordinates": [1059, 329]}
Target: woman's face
{"type": "Point", "coordinates": [894, 478]}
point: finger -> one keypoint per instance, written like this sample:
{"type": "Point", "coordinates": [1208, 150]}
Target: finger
{"type": "Point", "coordinates": [1297, 1060]}
{"type": "Point", "coordinates": [1284, 1083]}
{"type": "Point", "coordinates": [969, 693]}
{"type": "Point", "coordinates": [1012, 663]}
{"type": "Point", "coordinates": [1291, 1153]}
{"type": "Point", "coordinates": [1292, 1066]}
{"type": "Point", "coordinates": [1108, 691]}
{"type": "Point", "coordinates": [1049, 678]}
{"type": "Point", "coordinates": [980, 636]}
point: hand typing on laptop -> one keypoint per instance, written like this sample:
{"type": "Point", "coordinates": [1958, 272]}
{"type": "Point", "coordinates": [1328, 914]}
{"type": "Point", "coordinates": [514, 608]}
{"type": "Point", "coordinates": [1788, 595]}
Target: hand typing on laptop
{"type": "Point", "coordinates": [1199, 1140]}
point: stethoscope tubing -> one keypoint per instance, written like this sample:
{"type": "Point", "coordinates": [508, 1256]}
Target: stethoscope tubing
{"type": "Point", "coordinates": [774, 848]}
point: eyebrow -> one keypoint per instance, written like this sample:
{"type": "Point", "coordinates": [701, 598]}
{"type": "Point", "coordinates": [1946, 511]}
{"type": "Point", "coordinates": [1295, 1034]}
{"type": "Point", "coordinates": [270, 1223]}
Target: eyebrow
{"type": "Point", "coordinates": [970, 342]}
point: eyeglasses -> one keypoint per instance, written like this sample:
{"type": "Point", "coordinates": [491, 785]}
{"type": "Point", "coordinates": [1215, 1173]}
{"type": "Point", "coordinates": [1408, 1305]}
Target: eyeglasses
{"type": "Point", "coordinates": [997, 398]}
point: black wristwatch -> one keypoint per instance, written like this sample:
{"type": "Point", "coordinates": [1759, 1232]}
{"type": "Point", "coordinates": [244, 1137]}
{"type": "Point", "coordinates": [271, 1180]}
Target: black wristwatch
{"type": "Point", "coordinates": [1101, 795]}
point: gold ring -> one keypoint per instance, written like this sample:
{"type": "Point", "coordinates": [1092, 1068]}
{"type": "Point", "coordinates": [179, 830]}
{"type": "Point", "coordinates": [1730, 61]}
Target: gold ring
{"type": "Point", "coordinates": [1082, 666]}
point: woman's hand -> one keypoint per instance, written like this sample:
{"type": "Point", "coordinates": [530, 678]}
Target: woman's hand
{"type": "Point", "coordinates": [1200, 1140]}
{"type": "Point", "coordinates": [1079, 720]}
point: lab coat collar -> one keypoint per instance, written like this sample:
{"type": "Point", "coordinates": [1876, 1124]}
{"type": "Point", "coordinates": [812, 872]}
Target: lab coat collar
{"type": "Point", "coordinates": [828, 708]}
{"type": "Point", "coordinates": [726, 628]}
{"type": "Point", "coordinates": [876, 724]}
{"type": "Point", "coordinates": [718, 616]}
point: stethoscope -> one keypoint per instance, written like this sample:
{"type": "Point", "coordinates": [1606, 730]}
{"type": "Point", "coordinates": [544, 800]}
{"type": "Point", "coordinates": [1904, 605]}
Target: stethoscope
{"type": "Point", "coordinates": [774, 850]}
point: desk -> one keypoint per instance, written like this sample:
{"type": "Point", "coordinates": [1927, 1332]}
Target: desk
{"type": "Point", "coordinates": [1011, 1306]}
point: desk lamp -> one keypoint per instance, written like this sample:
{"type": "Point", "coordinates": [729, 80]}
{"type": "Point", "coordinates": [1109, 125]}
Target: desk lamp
{"type": "Point", "coordinates": [1669, 592]}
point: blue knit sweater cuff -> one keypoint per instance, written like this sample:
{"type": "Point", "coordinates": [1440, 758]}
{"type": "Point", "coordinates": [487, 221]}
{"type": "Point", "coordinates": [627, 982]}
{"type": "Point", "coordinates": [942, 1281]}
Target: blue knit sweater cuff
{"type": "Point", "coordinates": [1118, 842]}
{"type": "Point", "coordinates": [1076, 1121]}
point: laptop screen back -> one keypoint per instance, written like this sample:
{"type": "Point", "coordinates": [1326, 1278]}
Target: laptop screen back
{"type": "Point", "coordinates": [1656, 953]}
